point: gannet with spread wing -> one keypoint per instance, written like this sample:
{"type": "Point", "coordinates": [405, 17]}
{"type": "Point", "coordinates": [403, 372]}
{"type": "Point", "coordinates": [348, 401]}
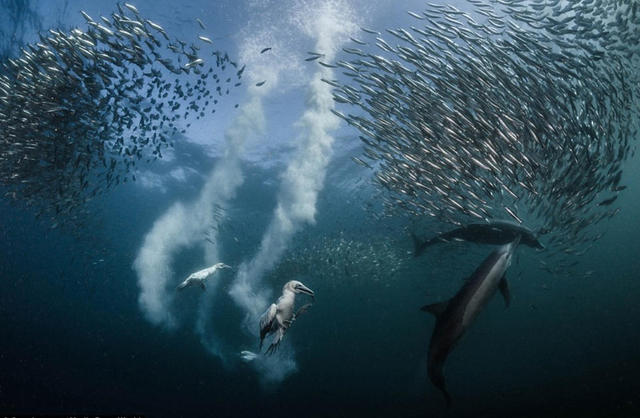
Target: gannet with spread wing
{"type": "Point", "coordinates": [280, 315]}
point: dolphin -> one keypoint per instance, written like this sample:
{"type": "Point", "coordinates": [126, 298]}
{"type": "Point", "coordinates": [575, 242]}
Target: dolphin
{"type": "Point", "coordinates": [453, 317]}
{"type": "Point", "coordinates": [280, 315]}
{"type": "Point", "coordinates": [496, 232]}
{"type": "Point", "coordinates": [199, 277]}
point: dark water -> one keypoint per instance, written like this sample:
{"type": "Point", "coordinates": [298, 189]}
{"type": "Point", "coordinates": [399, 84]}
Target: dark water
{"type": "Point", "coordinates": [73, 339]}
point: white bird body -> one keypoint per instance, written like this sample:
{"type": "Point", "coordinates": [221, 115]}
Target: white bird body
{"type": "Point", "coordinates": [284, 306]}
{"type": "Point", "coordinates": [280, 315]}
{"type": "Point", "coordinates": [200, 277]}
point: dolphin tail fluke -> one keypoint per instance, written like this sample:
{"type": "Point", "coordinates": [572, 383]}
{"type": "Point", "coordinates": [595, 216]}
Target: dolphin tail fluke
{"type": "Point", "coordinates": [437, 378]}
{"type": "Point", "coordinates": [447, 398]}
{"type": "Point", "coordinates": [418, 245]}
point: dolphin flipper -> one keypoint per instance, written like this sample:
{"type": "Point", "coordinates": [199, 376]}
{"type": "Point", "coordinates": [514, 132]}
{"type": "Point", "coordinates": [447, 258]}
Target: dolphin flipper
{"type": "Point", "coordinates": [435, 308]}
{"type": "Point", "coordinates": [504, 289]}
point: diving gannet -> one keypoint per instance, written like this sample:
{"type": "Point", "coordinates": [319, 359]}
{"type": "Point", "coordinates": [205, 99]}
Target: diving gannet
{"type": "Point", "coordinates": [280, 315]}
{"type": "Point", "coordinates": [201, 276]}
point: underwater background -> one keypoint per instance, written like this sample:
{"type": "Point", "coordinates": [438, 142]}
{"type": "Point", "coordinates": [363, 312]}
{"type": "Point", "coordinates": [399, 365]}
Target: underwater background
{"type": "Point", "coordinates": [84, 330]}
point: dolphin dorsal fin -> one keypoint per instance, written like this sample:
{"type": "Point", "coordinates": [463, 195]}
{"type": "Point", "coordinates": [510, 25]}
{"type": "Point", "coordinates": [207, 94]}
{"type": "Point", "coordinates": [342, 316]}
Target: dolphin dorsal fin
{"type": "Point", "coordinates": [435, 308]}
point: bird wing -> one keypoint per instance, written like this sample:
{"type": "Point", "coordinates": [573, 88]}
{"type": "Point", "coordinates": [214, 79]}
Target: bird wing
{"type": "Point", "coordinates": [200, 274]}
{"type": "Point", "coordinates": [267, 321]}
{"type": "Point", "coordinates": [275, 343]}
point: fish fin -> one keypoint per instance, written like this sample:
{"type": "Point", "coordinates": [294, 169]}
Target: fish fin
{"type": "Point", "coordinates": [435, 308]}
{"type": "Point", "coordinates": [504, 289]}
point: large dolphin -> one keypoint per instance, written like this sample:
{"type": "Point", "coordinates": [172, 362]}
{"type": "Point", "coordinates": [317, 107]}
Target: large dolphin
{"type": "Point", "coordinates": [454, 316]}
{"type": "Point", "coordinates": [496, 232]}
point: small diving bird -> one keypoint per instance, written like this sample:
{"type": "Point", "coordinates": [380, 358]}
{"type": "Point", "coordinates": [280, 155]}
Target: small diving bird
{"type": "Point", "coordinates": [280, 315]}
{"type": "Point", "coordinates": [199, 277]}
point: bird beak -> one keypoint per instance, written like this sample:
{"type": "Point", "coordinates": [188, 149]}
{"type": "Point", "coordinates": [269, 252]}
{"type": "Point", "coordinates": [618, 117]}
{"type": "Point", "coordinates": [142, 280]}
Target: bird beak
{"type": "Point", "coordinates": [304, 289]}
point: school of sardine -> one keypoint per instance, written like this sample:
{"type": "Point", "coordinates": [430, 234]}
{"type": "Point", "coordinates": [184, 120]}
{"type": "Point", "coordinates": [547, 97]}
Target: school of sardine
{"type": "Point", "coordinates": [507, 109]}
{"type": "Point", "coordinates": [78, 109]}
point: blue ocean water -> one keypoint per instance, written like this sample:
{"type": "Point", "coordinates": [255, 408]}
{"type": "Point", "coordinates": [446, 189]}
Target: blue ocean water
{"type": "Point", "coordinates": [75, 337]}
